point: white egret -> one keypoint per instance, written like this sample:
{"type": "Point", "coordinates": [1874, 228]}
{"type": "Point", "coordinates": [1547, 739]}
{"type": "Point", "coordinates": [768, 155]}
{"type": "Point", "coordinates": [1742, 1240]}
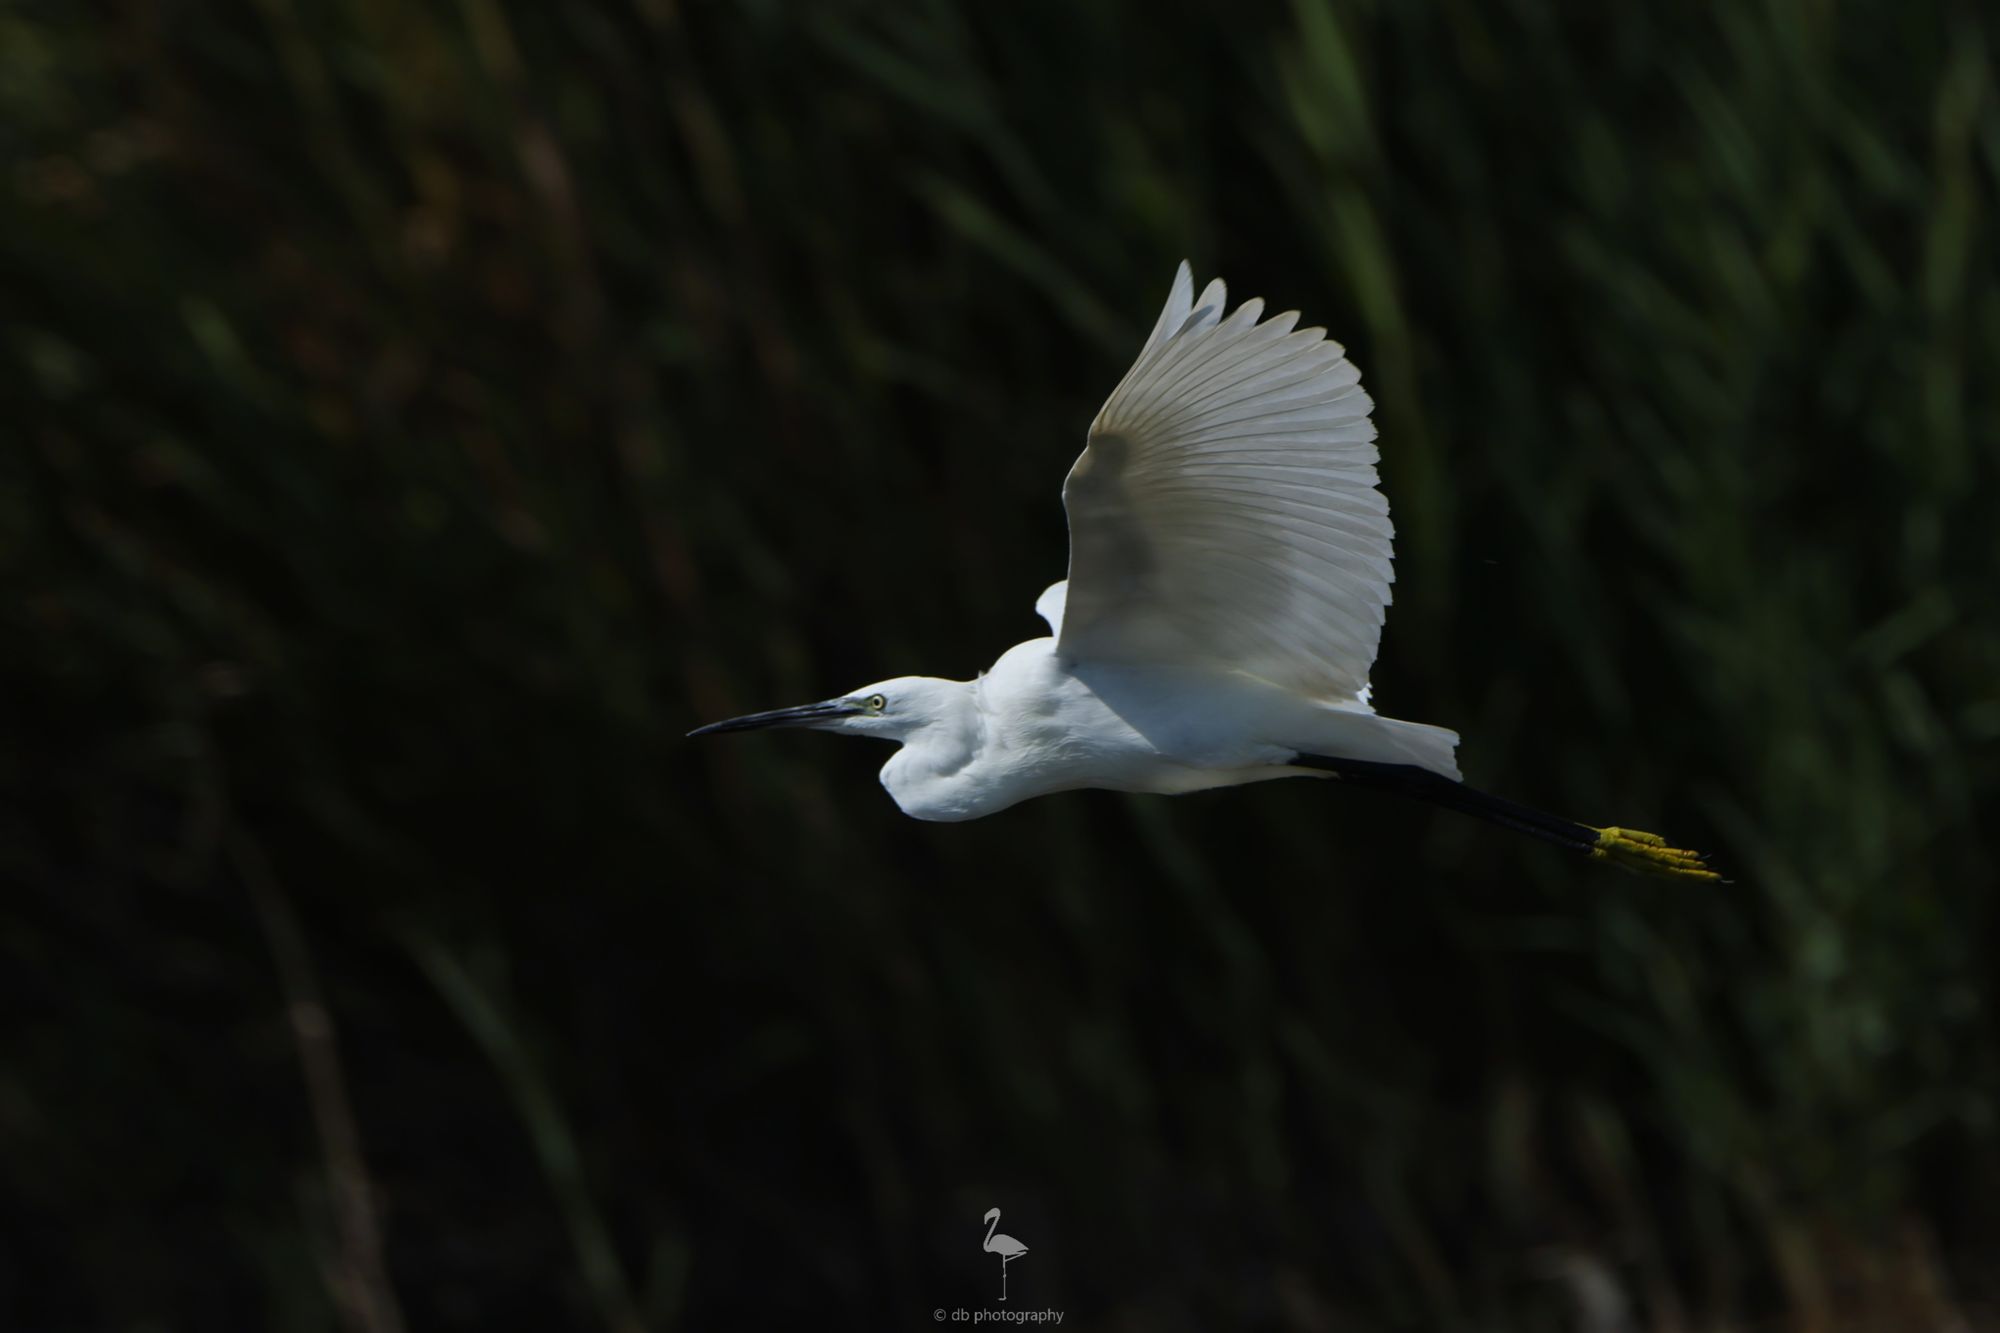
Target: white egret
{"type": "Point", "coordinates": [1229, 568]}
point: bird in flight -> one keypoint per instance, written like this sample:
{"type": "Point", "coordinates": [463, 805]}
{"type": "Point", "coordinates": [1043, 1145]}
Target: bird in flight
{"type": "Point", "coordinates": [1229, 569]}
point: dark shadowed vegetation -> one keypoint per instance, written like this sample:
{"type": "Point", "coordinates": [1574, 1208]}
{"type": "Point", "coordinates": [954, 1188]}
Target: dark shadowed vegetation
{"type": "Point", "coordinates": [417, 416]}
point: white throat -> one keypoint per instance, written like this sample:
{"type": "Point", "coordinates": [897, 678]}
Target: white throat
{"type": "Point", "coordinates": [926, 776]}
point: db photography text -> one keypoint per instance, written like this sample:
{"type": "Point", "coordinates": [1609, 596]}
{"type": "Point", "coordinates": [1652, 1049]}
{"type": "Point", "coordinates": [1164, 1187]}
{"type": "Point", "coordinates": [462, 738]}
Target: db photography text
{"type": "Point", "coordinates": [964, 1316]}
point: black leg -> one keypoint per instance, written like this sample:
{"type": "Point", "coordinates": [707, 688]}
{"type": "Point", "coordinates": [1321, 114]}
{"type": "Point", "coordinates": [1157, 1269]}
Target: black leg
{"type": "Point", "coordinates": [1629, 848]}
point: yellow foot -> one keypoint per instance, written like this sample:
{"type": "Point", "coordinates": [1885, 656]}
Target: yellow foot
{"type": "Point", "coordinates": [1648, 854]}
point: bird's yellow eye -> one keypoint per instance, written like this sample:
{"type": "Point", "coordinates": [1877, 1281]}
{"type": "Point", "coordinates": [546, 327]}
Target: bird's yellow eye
{"type": "Point", "coordinates": [876, 703]}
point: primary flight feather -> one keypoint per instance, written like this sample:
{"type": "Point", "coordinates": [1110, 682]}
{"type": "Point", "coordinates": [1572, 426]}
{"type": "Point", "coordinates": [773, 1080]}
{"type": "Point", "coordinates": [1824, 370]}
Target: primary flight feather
{"type": "Point", "coordinates": [1229, 572]}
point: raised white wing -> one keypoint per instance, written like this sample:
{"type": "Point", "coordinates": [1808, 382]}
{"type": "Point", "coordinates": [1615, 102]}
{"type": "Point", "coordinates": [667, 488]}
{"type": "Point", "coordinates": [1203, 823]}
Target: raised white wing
{"type": "Point", "coordinates": [1224, 511]}
{"type": "Point", "coordinates": [1049, 606]}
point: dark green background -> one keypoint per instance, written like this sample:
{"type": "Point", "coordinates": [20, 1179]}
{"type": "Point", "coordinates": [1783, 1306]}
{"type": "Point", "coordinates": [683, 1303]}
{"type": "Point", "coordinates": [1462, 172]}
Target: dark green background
{"type": "Point", "coordinates": [417, 416]}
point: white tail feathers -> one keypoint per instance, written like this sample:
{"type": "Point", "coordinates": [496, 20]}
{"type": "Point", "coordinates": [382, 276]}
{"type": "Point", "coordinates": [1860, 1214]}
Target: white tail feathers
{"type": "Point", "coordinates": [1350, 732]}
{"type": "Point", "coordinates": [1426, 746]}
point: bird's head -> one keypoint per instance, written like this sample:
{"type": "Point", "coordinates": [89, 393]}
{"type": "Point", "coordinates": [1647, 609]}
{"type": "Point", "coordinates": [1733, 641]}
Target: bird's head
{"type": "Point", "coordinates": [992, 1215]}
{"type": "Point", "coordinates": [892, 710]}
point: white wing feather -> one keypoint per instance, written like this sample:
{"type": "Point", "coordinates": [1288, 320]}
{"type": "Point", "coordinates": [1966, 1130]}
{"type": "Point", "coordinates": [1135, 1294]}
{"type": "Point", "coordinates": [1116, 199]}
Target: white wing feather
{"type": "Point", "coordinates": [1049, 606]}
{"type": "Point", "coordinates": [1224, 511]}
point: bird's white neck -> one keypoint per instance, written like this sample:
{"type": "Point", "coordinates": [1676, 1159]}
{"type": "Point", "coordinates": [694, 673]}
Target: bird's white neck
{"type": "Point", "coordinates": [921, 775]}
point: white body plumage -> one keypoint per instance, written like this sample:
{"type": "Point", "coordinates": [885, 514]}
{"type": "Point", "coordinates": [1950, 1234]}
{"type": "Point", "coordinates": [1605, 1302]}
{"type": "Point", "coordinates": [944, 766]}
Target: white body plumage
{"type": "Point", "coordinates": [1034, 725]}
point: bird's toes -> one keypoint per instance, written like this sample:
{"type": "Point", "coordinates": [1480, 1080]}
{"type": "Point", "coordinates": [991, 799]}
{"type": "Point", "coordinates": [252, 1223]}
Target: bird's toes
{"type": "Point", "coordinates": [1649, 854]}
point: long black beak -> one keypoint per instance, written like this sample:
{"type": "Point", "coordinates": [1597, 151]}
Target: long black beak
{"type": "Point", "coordinates": [802, 716]}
